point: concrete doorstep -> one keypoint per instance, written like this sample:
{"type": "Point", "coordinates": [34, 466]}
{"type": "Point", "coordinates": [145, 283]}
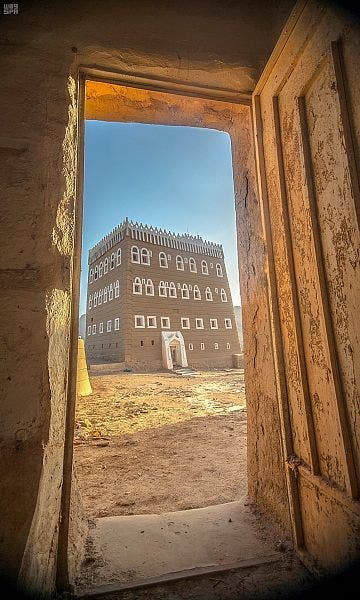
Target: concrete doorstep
{"type": "Point", "coordinates": [140, 550]}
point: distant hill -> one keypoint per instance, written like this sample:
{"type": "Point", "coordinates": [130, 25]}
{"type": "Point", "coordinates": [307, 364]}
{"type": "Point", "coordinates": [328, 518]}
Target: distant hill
{"type": "Point", "coordinates": [238, 318]}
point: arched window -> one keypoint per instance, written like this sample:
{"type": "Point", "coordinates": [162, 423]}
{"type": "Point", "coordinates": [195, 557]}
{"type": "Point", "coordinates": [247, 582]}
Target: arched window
{"type": "Point", "coordinates": [149, 287]}
{"type": "Point", "coordinates": [204, 267]}
{"type": "Point", "coordinates": [192, 265]}
{"type": "Point", "coordinates": [96, 272]}
{"type": "Point", "coordinates": [135, 254]}
{"type": "Point", "coordinates": [179, 263]}
{"type": "Point", "coordinates": [137, 286]}
{"type": "Point", "coordinates": [90, 302]}
{"type": "Point", "coordinates": [145, 256]}
{"type": "Point", "coordinates": [219, 271]}
{"type": "Point", "coordinates": [223, 295]}
{"type": "Point", "coordinates": [118, 257]}
{"type": "Point", "coordinates": [172, 290]}
{"type": "Point", "coordinates": [208, 294]}
{"type": "Point", "coordinates": [163, 262]}
{"type": "Point", "coordinates": [91, 275]}
{"type": "Point", "coordinates": [111, 293]}
{"type": "Point", "coordinates": [197, 295]}
{"type": "Point", "coordinates": [185, 292]}
{"type": "Point", "coordinates": [112, 260]}
{"type": "Point", "coordinates": [101, 269]}
{"type": "Point", "coordinates": [105, 294]}
{"type": "Point", "coordinates": [95, 299]}
{"type": "Point", "coordinates": [100, 296]}
{"type": "Point", "coordinates": [106, 265]}
{"type": "Point", "coordinates": [117, 288]}
{"type": "Point", "coordinates": [162, 289]}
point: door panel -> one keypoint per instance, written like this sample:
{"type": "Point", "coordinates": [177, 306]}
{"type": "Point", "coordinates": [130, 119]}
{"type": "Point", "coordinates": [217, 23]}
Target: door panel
{"type": "Point", "coordinates": [306, 158]}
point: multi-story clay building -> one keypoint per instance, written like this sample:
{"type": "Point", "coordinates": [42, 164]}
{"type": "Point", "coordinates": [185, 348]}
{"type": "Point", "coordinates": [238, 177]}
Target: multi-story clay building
{"type": "Point", "coordinates": [158, 299]}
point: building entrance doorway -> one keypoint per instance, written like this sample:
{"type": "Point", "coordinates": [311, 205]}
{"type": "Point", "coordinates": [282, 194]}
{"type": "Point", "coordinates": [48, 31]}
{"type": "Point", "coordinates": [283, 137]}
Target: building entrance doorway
{"type": "Point", "coordinates": [174, 355]}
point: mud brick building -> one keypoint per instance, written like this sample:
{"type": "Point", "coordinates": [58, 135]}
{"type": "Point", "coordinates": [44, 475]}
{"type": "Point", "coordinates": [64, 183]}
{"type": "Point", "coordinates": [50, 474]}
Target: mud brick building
{"type": "Point", "coordinates": [158, 299]}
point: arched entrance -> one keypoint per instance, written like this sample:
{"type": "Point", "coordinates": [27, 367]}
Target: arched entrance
{"type": "Point", "coordinates": [173, 350]}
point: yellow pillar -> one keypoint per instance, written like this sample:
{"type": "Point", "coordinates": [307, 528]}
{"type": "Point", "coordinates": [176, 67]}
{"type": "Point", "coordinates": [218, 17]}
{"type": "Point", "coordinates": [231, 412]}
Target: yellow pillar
{"type": "Point", "coordinates": [83, 387]}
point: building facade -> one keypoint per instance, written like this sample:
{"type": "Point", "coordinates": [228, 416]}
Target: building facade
{"type": "Point", "coordinates": [159, 300]}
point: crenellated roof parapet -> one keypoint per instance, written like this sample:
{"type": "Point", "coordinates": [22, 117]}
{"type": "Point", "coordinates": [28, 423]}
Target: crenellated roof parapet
{"type": "Point", "coordinates": [154, 235]}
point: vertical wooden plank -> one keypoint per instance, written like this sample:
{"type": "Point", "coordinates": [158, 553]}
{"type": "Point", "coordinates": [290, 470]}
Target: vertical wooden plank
{"type": "Point", "coordinates": [62, 568]}
{"type": "Point", "coordinates": [351, 480]}
{"type": "Point", "coordinates": [286, 434]}
{"type": "Point", "coordinates": [338, 65]}
{"type": "Point", "coordinates": [314, 457]}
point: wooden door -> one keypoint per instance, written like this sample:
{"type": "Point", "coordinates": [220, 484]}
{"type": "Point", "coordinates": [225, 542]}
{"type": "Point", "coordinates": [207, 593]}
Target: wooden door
{"type": "Point", "coordinates": [307, 128]}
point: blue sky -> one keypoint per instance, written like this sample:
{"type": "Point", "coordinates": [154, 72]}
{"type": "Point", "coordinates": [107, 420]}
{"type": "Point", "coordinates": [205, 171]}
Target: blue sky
{"type": "Point", "coordinates": [177, 178]}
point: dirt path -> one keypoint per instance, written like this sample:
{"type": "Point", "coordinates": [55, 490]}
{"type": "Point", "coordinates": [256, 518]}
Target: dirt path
{"type": "Point", "coordinates": [159, 442]}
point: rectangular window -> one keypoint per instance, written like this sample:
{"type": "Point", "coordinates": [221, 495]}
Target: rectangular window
{"type": "Point", "coordinates": [199, 323]}
{"type": "Point", "coordinates": [111, 293]}
{"type": "Point", "coordinates": [117, 324]}
{"type": "Point", "coordinates": [191, 347]}
{"type": "Point", "coordinates": [90, 301]}
{"type": "Point", "coordinates": [89, 330]}
{"type": "Point", "coordinates": [185, 323]}
{"type": "Point", "coordinates": [151, 322]}
{"type": "Point", "coordinates": [228, 324]}
{"type": "Point", "coordinates": [216, 346]}
{"type": "Point", "coordinates": [213, 324]}
{"type": "Point", "coordinates": [139, 321]}
{"type": "Point", "coordinates": [228, 346]}
{"type": "Point", "coordinates": [165, 323]}
{"type": "Point", "coordinates": [101, 327]}
{"type": "Point", "coordinates": [108, 325]}
{"type": "Point", "coordinates": [202, 346]}
{"type": "Point", "coordinates": [94, 329]}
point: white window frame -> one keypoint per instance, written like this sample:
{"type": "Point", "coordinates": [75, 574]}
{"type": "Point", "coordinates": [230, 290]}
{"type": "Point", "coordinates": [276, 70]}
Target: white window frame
{"type": "Point", "coordinates": [117, 324]}
{"type": "Point", "coordinates": [101, 327]}
{"type": "Point", "coordinates": [214, 324]}
{"type": "Point", "coordinates": [192, 265]}
{"type": "Point", "coordinates": [228, 346]}
{"type": "Point", "coordinates": [111, 292]}
{"type": "Point", "coordinates": [95, 299]}
{"type": "Point", "coordinates": [202, 346]}
{"type": "Point", "coordinates": [90, 302]}
{"type": "Point", "coordinates": [105, 294]}
{"type": "Point", "coordinates": [191, 346]}
{"type": "Point", "coordinates": [106, 265]}
{"type": "Point", "coordinates": [112, 261]}
{"type": "Point", "coordinates": [228, 323]}
{"type": "Point", "coordinates": [148, 322]}
{"type": "Point", "coordinates": [137, 286]}
{"type": "Point", "coordinates": [208, 294]}
{"type": "Point", "coordinates": [93, 329]}
{"type": "Point", "coordinates": [172, 290]}
{"type": "Point", "coordinates": [145, 256]}
{"type": "Point", "coordinates": [162, 289]}
{"type": "Point", "coordinates": [96, 272]}
{"type": "Point", "coordinates": [135, 255]}
{"type": "Point", "coordinates": [185, 323]}
{"type": "Point", "coordinates": [185, 288]}
{"type": "Point", "coordinates": [219, 271]}
{"type": "Point", "coordinates": [149, 288]}
{"type": "Point", "coordinates": [89, 330]}
{"type": "Point", "coordinates": [179, 263]}
{"type": "Point", "coordinates": [197, 293]}
{"type": "Point", "coordinates": [204, 267]}
{"type": "Point", "coordinates": [118, 257]}
{"type": "Point", "coordinates": [223, 295]}
{"type": "Point", "coordinates": [91, 277]}
{"type": "Point", "coordinates": [216, 346]}
{"type": "Point", "coordinates": [101, 268]}
{"type": "Point", "coordinates": [117, 288]}
{"type": "Point", "coordinates": [108, 325]}
{"type": "Point", "coordinates": [142, 321]}
{"type": "Point", "coordinates": [199, 323]}
{"type": "Point", "coordinates": [163, 259]}
{"type": "Point", "coordinates": [100, 298]}
{"type": "Point", "coordinates": [165, 322]}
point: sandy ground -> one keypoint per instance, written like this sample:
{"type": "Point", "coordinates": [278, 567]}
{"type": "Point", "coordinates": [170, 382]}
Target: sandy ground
{"type": "Point", "coordinates": [148, 443]}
